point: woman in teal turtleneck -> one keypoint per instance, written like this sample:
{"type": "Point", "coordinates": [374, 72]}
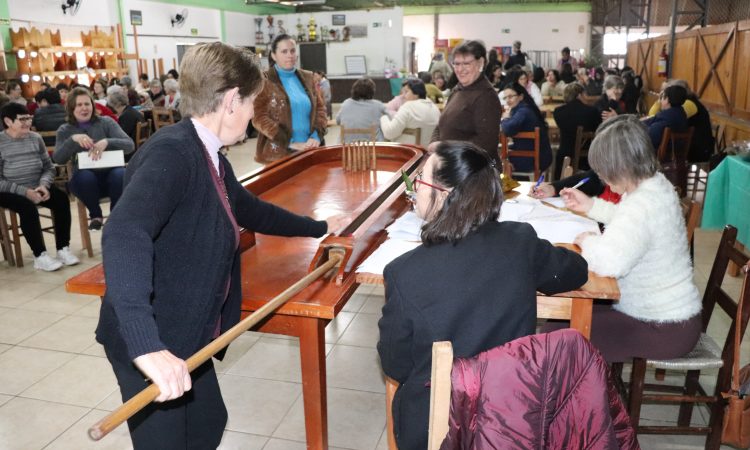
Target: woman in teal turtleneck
{"type": "Point", "coordinates": [290, 113]}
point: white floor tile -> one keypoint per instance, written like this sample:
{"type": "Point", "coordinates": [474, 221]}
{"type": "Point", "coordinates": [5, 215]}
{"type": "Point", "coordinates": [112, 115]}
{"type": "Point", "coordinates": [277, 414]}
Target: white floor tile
{"type": "Point", "coordinates": [70, 334]}
{"type": "Point", "coordinates": [76, 437]}
{"type": "Point", "coordinates": [256, 406]}
{"type": "Point", "coordinates": [27, 424]}
{"type": "Point", "coordinates": [18, 292]}
{"type": "Point", "coordinates": [233, 440]}
{"type": "Point", "coordinates": [17, 325]}
{"type": "Point", "coordinates": [362, 332]}
{"type": "Point", "coordinates": [356, 368]}
{"type": "Point", "coordinates": [22, 367]}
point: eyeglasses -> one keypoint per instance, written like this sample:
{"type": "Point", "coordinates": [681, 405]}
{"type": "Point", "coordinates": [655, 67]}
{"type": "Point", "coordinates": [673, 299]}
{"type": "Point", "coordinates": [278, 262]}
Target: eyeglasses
{"type": "Point", "coordinates": [467, 63]}
{"type": "Point", "coordinates": [511, 96]}
{"type": "Point", "coordinates": [418, 181]}
{"type": "Point", "coordinates": [24, 118]}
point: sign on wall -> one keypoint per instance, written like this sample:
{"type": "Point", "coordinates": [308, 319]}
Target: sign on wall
{"type": "Point", "coordinates": [136, 18]}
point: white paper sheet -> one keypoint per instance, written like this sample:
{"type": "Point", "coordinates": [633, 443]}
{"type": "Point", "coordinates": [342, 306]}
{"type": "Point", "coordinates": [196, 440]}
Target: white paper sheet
{"type": "Point", "coordinates": [387, 252]}
{"type": "Point", "coordinates": [562, 231]}
{"type": "Point", "coordinates": [407, 227]}
{"type": "Point", "coordinates": [110, 158]}
{"type": "Point", "coordinates": [555, 201]}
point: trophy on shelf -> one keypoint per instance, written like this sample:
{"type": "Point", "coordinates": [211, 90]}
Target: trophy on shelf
{"type": "Point", "coordinates": [269, 19]}
{"type": "Point", "coordinates": [300, 31]}
{"type": "Point", "coordinates": [311, 30]}
{"type": "Point", "coordinates": [258, 30]}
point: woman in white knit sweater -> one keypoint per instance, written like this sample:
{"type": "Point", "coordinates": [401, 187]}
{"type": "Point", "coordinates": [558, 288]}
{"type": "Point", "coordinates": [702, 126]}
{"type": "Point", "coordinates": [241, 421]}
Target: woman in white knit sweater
{"type": "Point", "coordinates": [644, 246]}
{"type": "Point", "coordinates": [416, 112]}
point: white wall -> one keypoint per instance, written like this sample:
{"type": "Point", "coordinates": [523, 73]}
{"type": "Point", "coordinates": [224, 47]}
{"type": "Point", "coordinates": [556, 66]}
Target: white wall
{"type": "Point", "coordinates": [534, 30]}
{"type": "Point", "coordinates": [48, 12]}
{"type": "Point", "coordinates": [157, 38]}
{"type": "Point", "coordinates": [381, 42]}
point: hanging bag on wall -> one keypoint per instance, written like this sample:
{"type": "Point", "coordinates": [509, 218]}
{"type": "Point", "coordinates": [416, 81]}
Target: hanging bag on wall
{"type": "Point", "coordinates": [736, 427]}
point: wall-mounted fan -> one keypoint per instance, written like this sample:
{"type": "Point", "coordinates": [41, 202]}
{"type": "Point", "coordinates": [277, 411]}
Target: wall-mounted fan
{"type": "Point", "coordinates": [70, 6]}
{"type": "Point", "coordinates": [179, 19]}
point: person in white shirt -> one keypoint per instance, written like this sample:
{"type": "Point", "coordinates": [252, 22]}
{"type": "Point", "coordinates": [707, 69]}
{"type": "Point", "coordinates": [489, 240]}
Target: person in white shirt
{"type": "Point", "coordinates": [553, 87]}
{"type": "Point", "coordinates": [644, 246]}
{"type": "Point", "coordinates": [417, 111]}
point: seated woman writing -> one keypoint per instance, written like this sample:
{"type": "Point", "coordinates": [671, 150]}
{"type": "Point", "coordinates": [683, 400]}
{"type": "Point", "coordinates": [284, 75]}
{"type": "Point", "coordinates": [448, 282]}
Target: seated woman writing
{"type": "Point", "coordinates": [522, 114]}
{"type": "Point", "coordinates": [438, 292]}
{"type": "Point", "coordinates": [644, 246]}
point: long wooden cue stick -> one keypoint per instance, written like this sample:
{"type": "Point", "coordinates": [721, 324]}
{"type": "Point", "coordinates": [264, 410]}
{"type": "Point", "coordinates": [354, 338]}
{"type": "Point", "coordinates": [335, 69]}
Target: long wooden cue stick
{"type": "Point", "coordinates": [147, 395]}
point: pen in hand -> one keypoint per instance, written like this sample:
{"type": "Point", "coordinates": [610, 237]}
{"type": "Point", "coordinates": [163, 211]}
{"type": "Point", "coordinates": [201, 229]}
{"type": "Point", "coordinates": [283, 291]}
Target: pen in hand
{"type": "Point", "coordinates": [580, 183]}
{"type": "Point", "coordinates": [539, 182]}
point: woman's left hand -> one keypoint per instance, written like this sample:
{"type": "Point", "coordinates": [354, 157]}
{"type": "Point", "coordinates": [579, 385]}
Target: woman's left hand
{"type": "Point", "coordinates": [337, 222]}
{"type": "Point", "coordinates": [96, 151]}
{"type": "Point", "coordinates": [582, 237]}
{"type": "Point", "coordinates": [312, 143]}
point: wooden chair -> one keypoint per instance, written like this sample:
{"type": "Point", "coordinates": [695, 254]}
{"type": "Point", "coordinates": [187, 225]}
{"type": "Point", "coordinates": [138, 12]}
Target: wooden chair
{"type": "Point", "coordinates": [7, 243]}
{"type": "Point", "coordinates": [699, 171]}
{"type": "Point", "coordinates": [706, 355]}
{"type": "Point", "coordinates": [142, 133]}
{"type": "Point", "coordinates": [581, 148]}
{"type": "Point", "coordinates": [360, 154]}
{"type": "Point", "coordinates": [505, 153]}
{"type": "Point", "coordinates": [162, 117]}
{"type": "Point", "coordinates": [440, 393]}
{"type": "Point", "coordinates": [416, 132]}
{"type": "Point", "coordinates": [567, 169]}
{"type": "Point", "coordinates": [673, 149]}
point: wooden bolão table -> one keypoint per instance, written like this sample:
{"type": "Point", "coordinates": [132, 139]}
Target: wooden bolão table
{"type": "Point", "coordinates": [311, 183]}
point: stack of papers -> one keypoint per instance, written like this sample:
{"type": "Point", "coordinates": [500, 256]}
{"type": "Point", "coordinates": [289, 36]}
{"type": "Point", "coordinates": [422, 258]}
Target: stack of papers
{"type": "Point", "coordinates": [403, 236]}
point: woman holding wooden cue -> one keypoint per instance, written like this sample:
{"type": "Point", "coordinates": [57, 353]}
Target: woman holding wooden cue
{"type": "Point", "coordinates": [171, 252]}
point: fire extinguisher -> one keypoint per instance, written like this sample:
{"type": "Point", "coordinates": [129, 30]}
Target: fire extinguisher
{"type": "Point", "coordinates": [663, 61]}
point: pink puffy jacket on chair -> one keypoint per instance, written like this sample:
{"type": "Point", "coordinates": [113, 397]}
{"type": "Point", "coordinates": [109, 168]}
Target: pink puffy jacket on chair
{"type": "Point", "coordinates": [545, 391]}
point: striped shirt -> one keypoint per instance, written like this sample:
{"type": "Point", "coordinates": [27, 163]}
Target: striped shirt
{"type": "Point", "coordinates": [24, 164]}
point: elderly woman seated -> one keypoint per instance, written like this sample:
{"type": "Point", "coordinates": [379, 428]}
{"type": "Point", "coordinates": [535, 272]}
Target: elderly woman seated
{"type": "Point", "coordinates": [127, 116]}
{"type": "Point", "coordinates": [610, 104]}
{"type": "Point", "coordinates": [26, 176]}
{"type": "Point", "coordinates": [156, 93]}
{"type": "Point", "coordinates": [477, 297]}
{"type": "Point", "coordinates": [171, 93]}
{"type": "Point", "coordinates": [644, 246]}
{"type": "Point", "coordinates": [361, 111]}
{"type": "Point", "coordinates": [416, 112]}
{"type": "Point", "coordinates": [87, 132]}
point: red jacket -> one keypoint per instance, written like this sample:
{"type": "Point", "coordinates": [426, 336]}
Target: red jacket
{"type": "Point", "coordinates": [545, 391]}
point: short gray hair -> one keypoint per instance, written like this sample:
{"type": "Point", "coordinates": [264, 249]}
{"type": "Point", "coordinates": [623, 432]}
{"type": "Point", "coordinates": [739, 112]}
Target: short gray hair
{"type": "Point", "coordinates": [114, 88]}
{"type": "Point", "coordinates": [155, 83]}
{"type": "Point", "coordinates": [678, 82]}
{"type": "Point", "coordinates": [612, 81]}
{"type": "Point", "coordinates": [208, 71]}
{"type": "Point", "coordinates": [171, 85]}
{"type": "Point", "coordinates": [622, 150]}
{"type": "Point", "coordinates": [117, 99]}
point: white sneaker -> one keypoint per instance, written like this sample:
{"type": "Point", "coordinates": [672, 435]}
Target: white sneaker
{"type": "Point", "coordinates": [46, 263]}
{"type": "Point", "coordinates": [65, 256]}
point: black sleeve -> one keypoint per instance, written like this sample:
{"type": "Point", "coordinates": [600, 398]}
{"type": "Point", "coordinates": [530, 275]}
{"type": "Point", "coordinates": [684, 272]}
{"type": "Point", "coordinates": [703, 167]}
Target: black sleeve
{"type": "Point", "coordinates": [592, 188]}
{"type": "Point", "coordinates": [254, 214]}
{"type": "Point", "coordinates": [557, 269]}
{"type": "Point", "coordinates": [396, 332]}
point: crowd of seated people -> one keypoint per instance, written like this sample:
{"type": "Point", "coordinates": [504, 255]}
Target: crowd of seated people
{"type": "Point", "coordinates": [417, 112]}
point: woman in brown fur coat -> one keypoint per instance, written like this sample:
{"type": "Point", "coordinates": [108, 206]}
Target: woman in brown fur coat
{"type": "Point", "coordinates": [290, 113]}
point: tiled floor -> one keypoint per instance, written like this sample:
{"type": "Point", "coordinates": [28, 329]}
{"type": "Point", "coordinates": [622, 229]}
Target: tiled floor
{"type": "Point", "coordinates": [55, 381]}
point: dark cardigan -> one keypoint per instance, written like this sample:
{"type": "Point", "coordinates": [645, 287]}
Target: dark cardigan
{"type": "Point", "coordinates": [472, 114]}
{"type": "Point", "coordinates": [440, 293]}
{"type": "Point", "coordinates": [169, 249]}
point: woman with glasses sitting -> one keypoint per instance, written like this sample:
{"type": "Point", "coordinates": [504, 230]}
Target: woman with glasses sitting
{"type": "Point", "coordinates": [522, 114]}
{"type": "Point", "coordinates": [26, 176]}
{"type": "Point", "coordinates": [438, 292]}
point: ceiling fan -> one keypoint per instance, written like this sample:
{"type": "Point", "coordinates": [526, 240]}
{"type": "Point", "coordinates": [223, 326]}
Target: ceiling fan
{"type": "Point", "coordinates": [179, 19]}
{"type": "Point", "coordinates": [70, 5]}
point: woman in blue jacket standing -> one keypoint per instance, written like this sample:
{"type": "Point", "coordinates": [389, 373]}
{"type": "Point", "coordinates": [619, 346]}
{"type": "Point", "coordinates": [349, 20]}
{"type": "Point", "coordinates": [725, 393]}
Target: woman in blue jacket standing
{"type": "Point", "coordinates": [522, 114]}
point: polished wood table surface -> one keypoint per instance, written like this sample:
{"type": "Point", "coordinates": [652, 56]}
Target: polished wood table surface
{"type": "Point", "coordinates": [311, 183]}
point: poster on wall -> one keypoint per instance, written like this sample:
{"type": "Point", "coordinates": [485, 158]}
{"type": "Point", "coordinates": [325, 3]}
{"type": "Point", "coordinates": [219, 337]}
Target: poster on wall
{"type": "Point", "coordinates": [136, 18]}
{"type": "Point", "coordinates": [355, 65]}
{"type": "Point", "coordinates": [338, 20]}
{"type": "Point", "coordinates": [357, 31]}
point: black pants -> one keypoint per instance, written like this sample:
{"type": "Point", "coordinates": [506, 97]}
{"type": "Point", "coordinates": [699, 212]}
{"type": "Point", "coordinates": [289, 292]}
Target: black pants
{"type": "Point", "coordinates": [31, 227]}
{"type": "Point", "coordinates": [194, 421]}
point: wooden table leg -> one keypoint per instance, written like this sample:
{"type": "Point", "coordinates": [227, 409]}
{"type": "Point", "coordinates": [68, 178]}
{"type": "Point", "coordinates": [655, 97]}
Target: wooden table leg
{"type": "Point", "coordinates": [313, 360]}
{"type": "Point", "coordinates": [580, 315]}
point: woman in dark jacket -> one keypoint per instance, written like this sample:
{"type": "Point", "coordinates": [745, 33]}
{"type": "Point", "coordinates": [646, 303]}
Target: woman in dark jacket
{"type": "Point", "coordinates": [610, 104]}
{"type": "Point", "coordinates": [573, 114]}
{"type": "Point", "coordinates": [524, 115]}
{"type": "Point", "coordinates": [437, 292]}
{"type": "Point", "coordinates": [473, 110]}
{"type": "Point", "coordinates": [171, 252]}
